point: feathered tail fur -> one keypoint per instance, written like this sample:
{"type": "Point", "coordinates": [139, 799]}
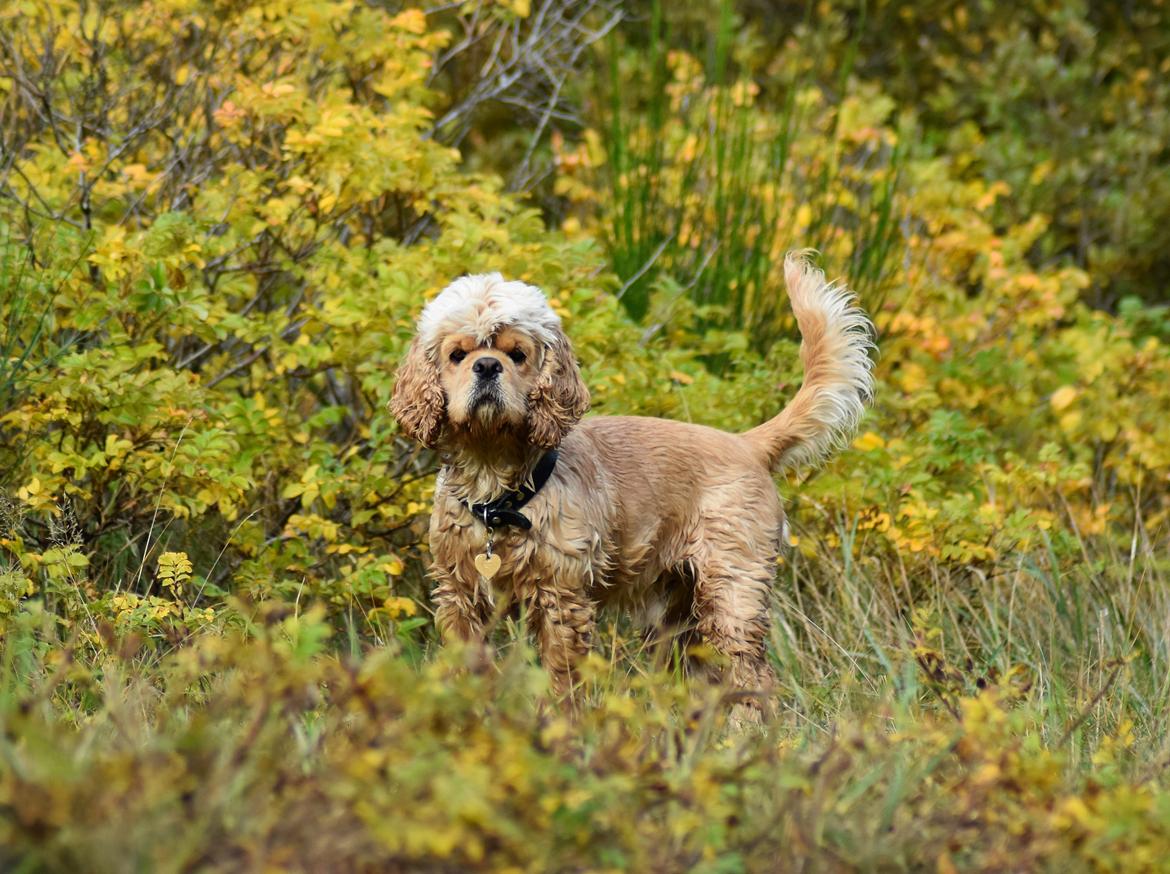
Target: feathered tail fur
{"type": "Point", "coordinates": [836, 337]}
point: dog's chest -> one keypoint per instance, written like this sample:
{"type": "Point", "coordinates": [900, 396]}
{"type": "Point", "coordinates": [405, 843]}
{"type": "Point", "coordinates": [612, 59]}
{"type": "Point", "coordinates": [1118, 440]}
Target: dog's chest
{"type": "Point", "coordinates": [527, 559]}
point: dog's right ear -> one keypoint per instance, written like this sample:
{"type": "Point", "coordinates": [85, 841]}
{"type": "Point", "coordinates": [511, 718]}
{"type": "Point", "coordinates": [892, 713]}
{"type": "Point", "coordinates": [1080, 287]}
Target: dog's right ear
{"type": "Point", "coordinates": [418, 402]}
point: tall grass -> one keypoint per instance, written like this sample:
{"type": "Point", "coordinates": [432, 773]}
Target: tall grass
{"type": "Point", "coordinates": [1088, 644]}
{"type": "Point", "coordinates": [710, 224]}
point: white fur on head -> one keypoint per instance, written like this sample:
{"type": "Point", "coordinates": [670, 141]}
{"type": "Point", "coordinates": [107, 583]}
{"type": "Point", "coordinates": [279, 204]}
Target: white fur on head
{"type": "Point", "coordinates": [483, 304]}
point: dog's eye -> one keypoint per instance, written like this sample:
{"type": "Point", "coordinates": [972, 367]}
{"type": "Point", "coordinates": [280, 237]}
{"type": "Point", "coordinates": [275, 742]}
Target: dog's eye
{"type": "Point", "coordinates": [458, 355]}
{"type": "Point", "coordinates": [518, 356]}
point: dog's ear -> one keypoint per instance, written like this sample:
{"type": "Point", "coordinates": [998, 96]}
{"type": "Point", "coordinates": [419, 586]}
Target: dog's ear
{"type": "Point", "coordinates": [559, 399]}
{"type": "Point", "coordinates": [418, 402]}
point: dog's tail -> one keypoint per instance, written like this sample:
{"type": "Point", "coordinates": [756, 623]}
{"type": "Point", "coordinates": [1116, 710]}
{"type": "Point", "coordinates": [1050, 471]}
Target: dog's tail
{"type": "Point", "coordinates": [836, 337]}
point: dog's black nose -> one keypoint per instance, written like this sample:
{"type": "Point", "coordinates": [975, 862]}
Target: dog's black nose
{"type": "Point", "coordinates": [487, 368]}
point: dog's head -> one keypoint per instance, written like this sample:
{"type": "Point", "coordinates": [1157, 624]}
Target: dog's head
{"type": "Point", "coordinates": [489, 356]}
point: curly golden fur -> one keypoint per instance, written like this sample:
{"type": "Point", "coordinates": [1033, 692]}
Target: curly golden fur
{"type": "Point", "coordinates": [640, 512]}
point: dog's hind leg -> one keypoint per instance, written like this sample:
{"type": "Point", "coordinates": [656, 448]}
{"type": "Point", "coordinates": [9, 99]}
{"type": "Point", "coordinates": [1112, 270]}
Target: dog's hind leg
{"type": "Point", "coordinates": [731, 610]}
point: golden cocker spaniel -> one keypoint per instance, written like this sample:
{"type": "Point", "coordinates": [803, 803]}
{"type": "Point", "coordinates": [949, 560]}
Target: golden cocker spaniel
{"type": "Point", "coordinates": [535, 505]}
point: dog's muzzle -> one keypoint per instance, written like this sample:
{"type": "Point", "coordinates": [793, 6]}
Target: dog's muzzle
{"type": "Point", "coordinates": [487, 368]}
{"type": "Point", "coordinates": [486, 396]}
{"type": "Point", "coordinates": [486, 392]}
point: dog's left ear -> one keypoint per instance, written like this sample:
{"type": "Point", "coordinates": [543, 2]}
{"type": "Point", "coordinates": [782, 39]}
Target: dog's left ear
{"type": "Point", "coordinates": [418, 402]}
{"type": "Point", "coordinates": [559, 399]}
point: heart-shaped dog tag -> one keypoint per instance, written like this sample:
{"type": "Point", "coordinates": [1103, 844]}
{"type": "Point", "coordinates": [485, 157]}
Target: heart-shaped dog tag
{"type": "Point", "coordinates": [487, 565]}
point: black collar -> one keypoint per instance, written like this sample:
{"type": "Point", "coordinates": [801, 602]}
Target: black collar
{"type": "Point", "coordinates": [505, 510]}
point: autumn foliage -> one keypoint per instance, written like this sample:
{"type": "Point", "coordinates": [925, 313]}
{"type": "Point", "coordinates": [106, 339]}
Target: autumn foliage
{"type": "Point", "coordinates": [218, 220]}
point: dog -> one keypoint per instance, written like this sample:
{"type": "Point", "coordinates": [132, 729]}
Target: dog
{"type": "Point", "coordinates": [565, 514]}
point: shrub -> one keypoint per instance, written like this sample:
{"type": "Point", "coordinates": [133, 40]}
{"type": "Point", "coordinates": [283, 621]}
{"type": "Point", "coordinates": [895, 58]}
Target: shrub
{"type": "Point", "coordinates": [221, 262]}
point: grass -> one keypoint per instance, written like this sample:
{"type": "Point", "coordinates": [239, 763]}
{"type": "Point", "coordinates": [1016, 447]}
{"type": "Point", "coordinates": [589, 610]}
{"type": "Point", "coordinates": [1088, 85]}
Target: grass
{"type": "Point", "coordinates": [703, 183]}
{"type": "Point", "coordinates": [1075, 635]}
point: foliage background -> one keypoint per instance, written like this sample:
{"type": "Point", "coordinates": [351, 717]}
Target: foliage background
{"type": "Point", "coordinates": [217, 223]}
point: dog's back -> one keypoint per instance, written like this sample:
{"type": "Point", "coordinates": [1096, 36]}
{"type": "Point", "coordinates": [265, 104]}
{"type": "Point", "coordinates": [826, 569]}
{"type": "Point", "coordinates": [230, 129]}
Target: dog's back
{"type": "Point", "coordinates": [669, 487]}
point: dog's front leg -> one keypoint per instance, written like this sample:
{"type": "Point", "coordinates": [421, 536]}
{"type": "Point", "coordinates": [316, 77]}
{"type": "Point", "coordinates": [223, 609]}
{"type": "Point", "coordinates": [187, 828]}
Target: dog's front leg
{"type": "Point", "coordinates": [563, 621]}
{"type": "Point", "coordinates": [461, 611]}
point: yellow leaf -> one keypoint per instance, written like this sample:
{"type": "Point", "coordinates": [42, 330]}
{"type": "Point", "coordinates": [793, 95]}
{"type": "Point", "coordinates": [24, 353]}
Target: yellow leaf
{"type": "Point", "coordinates": [391, 565]}
{"type": "Point", "coordinates": [520, 8]}
{"type": "Point", "coordinates": [1070, 421]}
{"type": "Point", "coordinates": [410, 20]}
{"type": "Point", "coordinates": [396, 607]}
{"type": "Point", "coordinates": [869, 441]}
{"type": "Point", "coordinates": [1062, 397]}
{"type": "Point", "coordinates": [913, 377]}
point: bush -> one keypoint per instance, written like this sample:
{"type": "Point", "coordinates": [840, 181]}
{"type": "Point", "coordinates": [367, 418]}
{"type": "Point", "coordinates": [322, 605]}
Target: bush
{"type": "Point", "coordinates": [236, 252]}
